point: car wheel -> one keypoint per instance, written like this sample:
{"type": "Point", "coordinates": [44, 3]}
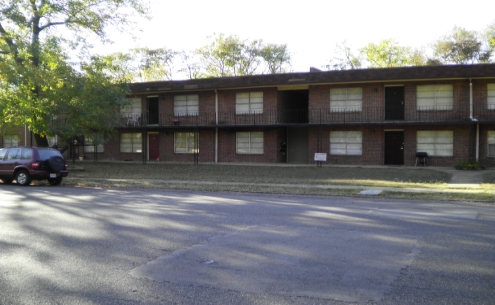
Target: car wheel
{"type": "Point", "coordinates": [56, 163]}
{"type": "Point", "coordinates": [22, 177]}
{"type": "Point", "coordinates": [55, 181]}
{"type": "Point", "coordinates": [7, 181]}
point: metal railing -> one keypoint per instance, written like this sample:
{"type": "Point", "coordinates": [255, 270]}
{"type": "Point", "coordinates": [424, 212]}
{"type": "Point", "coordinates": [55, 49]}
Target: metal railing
{"type": "Point", "coordinates": [362, 115]}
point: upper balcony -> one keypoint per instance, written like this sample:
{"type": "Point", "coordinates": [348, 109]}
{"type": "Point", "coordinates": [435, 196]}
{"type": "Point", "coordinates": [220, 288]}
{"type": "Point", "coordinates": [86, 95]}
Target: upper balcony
{"type": "Point", "coordinates": [363, 115]}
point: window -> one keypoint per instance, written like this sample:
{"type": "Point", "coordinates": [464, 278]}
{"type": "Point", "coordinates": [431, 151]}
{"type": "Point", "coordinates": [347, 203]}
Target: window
{"type": "Point", "coordinates": [184, 143]}
{"type": "Point", "coordinates": [131, 143]}
{"type": "Point", "coordinates": [90, 148]}
{"type": "Point", "coordinates": [346, 143]}
{"type": "Point", "coordinates": [251, 102]}
{"type": "Point", "coordinates": [27, 154]}
{"type": "Point", "coordinates": [14, 154]}
{"type": "Point", "coordinates": [249, 143]}
{"type": "Point", "coordinates": [10, 141]}
{"type": "Point", "coordinates": [186, 105]}
{"type": "Point", "coordinates": [491, 96]}
{"type": "Point", "coordinates": [52, 141]}
{"type": "Point", "coordinates": [3, 151]}
{"type": "Point", "coordinates": [436, 143]}
{"type": "Point", "coordinates": [435, 97]}
{"type": "Point", "coordinates": [133, 107]}
{"type": "Point", "coordinates": [491, 143]}
{"type": "Point", "coordinates": [346, 99]}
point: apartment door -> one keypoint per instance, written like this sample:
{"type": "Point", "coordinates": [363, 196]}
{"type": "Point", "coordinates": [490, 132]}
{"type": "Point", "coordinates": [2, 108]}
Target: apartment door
{"type": "Point", "coordinates": [153, 146]}
{"type": "Point", "coordinates": [297, 145]}
{"type": "Point", "coordinates": [152, 110]}
{"type": "Point", "coordinates": [394, 103]}
{"type": "Point", "coordinates": [394, 147]}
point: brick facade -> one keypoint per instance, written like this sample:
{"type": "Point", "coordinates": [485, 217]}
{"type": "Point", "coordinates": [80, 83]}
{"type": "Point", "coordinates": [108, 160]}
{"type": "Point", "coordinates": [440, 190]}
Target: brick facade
{"type": "Point", "coordinates": [302, 100]}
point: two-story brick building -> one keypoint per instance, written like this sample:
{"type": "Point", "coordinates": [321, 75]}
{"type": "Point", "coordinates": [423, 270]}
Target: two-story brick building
{"type": "Point", "coordinates": [366, 117]}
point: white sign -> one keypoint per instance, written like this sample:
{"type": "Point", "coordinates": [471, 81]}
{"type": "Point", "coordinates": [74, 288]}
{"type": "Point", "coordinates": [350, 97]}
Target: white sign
{"type": "Point", "coordinates": [321, 157]}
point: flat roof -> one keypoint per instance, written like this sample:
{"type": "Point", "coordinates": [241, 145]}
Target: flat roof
{"type": "Point", "coordinates": [321, 77]}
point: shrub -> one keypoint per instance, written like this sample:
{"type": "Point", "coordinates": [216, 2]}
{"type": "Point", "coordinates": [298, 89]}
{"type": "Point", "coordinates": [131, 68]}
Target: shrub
{"type": "Point", "coordinates": [470, 165]}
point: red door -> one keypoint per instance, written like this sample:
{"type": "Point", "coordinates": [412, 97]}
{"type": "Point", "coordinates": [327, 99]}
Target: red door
{"type": "Point", "coordinates": [154, 146]}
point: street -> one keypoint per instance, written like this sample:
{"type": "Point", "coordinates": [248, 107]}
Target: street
{"type": "Point", "coordinates": [63, 245]}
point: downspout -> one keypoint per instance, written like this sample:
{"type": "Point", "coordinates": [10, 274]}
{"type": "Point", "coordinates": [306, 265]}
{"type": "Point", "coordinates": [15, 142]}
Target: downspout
{"type": "Point", "coordinates": [471, 106]}
{"type": "Point", "coordinates": [216, 128]}
{"type": "Point", "coordinates": [477, 142]}
{"type": "Point", "coordinates": [471, 99]}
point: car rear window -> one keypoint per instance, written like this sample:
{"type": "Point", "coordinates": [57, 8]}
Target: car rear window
{"type": "Point", "coordinates": [45, 154]}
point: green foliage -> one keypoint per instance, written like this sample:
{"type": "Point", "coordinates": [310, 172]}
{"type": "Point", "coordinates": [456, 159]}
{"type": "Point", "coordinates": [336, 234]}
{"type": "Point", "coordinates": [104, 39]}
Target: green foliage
{"type": "Point", "coordinates": [387, 53]}
{"type": "Point", "coordinates": [490, 37]}
{"type": "Point", "coordinates": [462, 47]}
{"type": "Point", "coordinates": [154, 64]}
{"type": "Point", "coordinates": [276, 57]}
{"type": "Point", "coordinates": [470, 165]}
{"type": "Point", "coordinates": [40, 86]}
{"type": "Point", "coordinates": [231, 56]}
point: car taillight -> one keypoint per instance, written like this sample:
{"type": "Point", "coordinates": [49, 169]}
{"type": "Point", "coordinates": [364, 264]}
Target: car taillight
{"type": "Point", "coordinates": [65, 165]}
{"type": "Point", "coordinates": [35, 165]}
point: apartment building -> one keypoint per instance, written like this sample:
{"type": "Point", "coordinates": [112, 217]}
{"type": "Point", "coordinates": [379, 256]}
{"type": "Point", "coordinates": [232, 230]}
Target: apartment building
{"type": "Point", "coordinates": [359, 117]}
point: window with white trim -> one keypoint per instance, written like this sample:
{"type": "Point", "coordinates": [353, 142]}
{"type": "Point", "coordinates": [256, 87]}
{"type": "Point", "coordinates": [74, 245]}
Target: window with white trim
{"type": "Point", "coordinates": [249, 102]}
{"type": "Point", "coordinates": [346, 143]}
{"type": "Point", "coordinates": [491, 96]}
{"type": "Point", "coordinates": [435, 97]}
{"type": "Point", "coordinates": [186, 105]}
{"type": "Point", "coordinates": [184, 143]}
{"type": "Point", "coordinates": [249, 143]}
{"type": "Point", "coordinates": [89, 145]}
{"type": "Point", "coordinates": [436, 143]}
{"type": "Point", "coordinates": [346, 99]}
{"type": "Point", "coordinates": [133, 107]}
{"type": "Point", "coordinates": [10, 141]}
{"type": "Point", "coordinates": [131, 143]}
{"type": "Point", "coordinates": [491, 143]}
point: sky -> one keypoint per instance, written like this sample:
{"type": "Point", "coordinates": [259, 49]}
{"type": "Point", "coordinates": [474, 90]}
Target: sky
{"type": "Point", "coordinates": [310, 28]}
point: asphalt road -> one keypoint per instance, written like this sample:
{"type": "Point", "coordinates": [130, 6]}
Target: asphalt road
{"type": "Point", "coordinates": [61, 245]}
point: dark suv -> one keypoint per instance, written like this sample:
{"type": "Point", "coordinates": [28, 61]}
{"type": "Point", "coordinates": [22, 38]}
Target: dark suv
{"type": "Point", "coordinates": [25, 164]}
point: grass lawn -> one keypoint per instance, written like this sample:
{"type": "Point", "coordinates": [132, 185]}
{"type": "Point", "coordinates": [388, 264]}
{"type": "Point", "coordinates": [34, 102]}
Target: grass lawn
{"type": "Point", "coordinates": [291, 180]}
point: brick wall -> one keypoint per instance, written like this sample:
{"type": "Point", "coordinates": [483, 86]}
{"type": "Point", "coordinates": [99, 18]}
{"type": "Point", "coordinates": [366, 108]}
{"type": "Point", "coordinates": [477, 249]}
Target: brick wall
{"type": "Point", "coordinates": [271, 147]}
{"type": "Point", "coordinates": [372, 146]}
{"type": "Point", "coordinates": [373, 135]}
{"type": "Point", "coordinates": [206, 147]}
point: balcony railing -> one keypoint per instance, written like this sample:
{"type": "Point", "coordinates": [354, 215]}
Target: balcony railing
{"type": "Point", "coordinates": [362, 115]}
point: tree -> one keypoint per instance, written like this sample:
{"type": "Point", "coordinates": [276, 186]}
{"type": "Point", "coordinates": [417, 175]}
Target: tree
{"type": "Point", "coordinates": [190, 65]}
{"type": "Point", "coordinates": [232, 56]}
{"type": "Point", "coordinates": [38, 81]}
{"type": "Point", "coordinates": [462, 47]}
{"type": "Point", "coordinates": [120, 66]}
{"type": "Point", "coordinates": [490, 38]}
{"type": "Point", "coordinates": [387, 53]}
{"type": "Point", "coordinates": [344, 59]}
{"type": "Point", "coordinates": [276, 58]}
{"type": "Point", "coordinates": [154, 64]}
